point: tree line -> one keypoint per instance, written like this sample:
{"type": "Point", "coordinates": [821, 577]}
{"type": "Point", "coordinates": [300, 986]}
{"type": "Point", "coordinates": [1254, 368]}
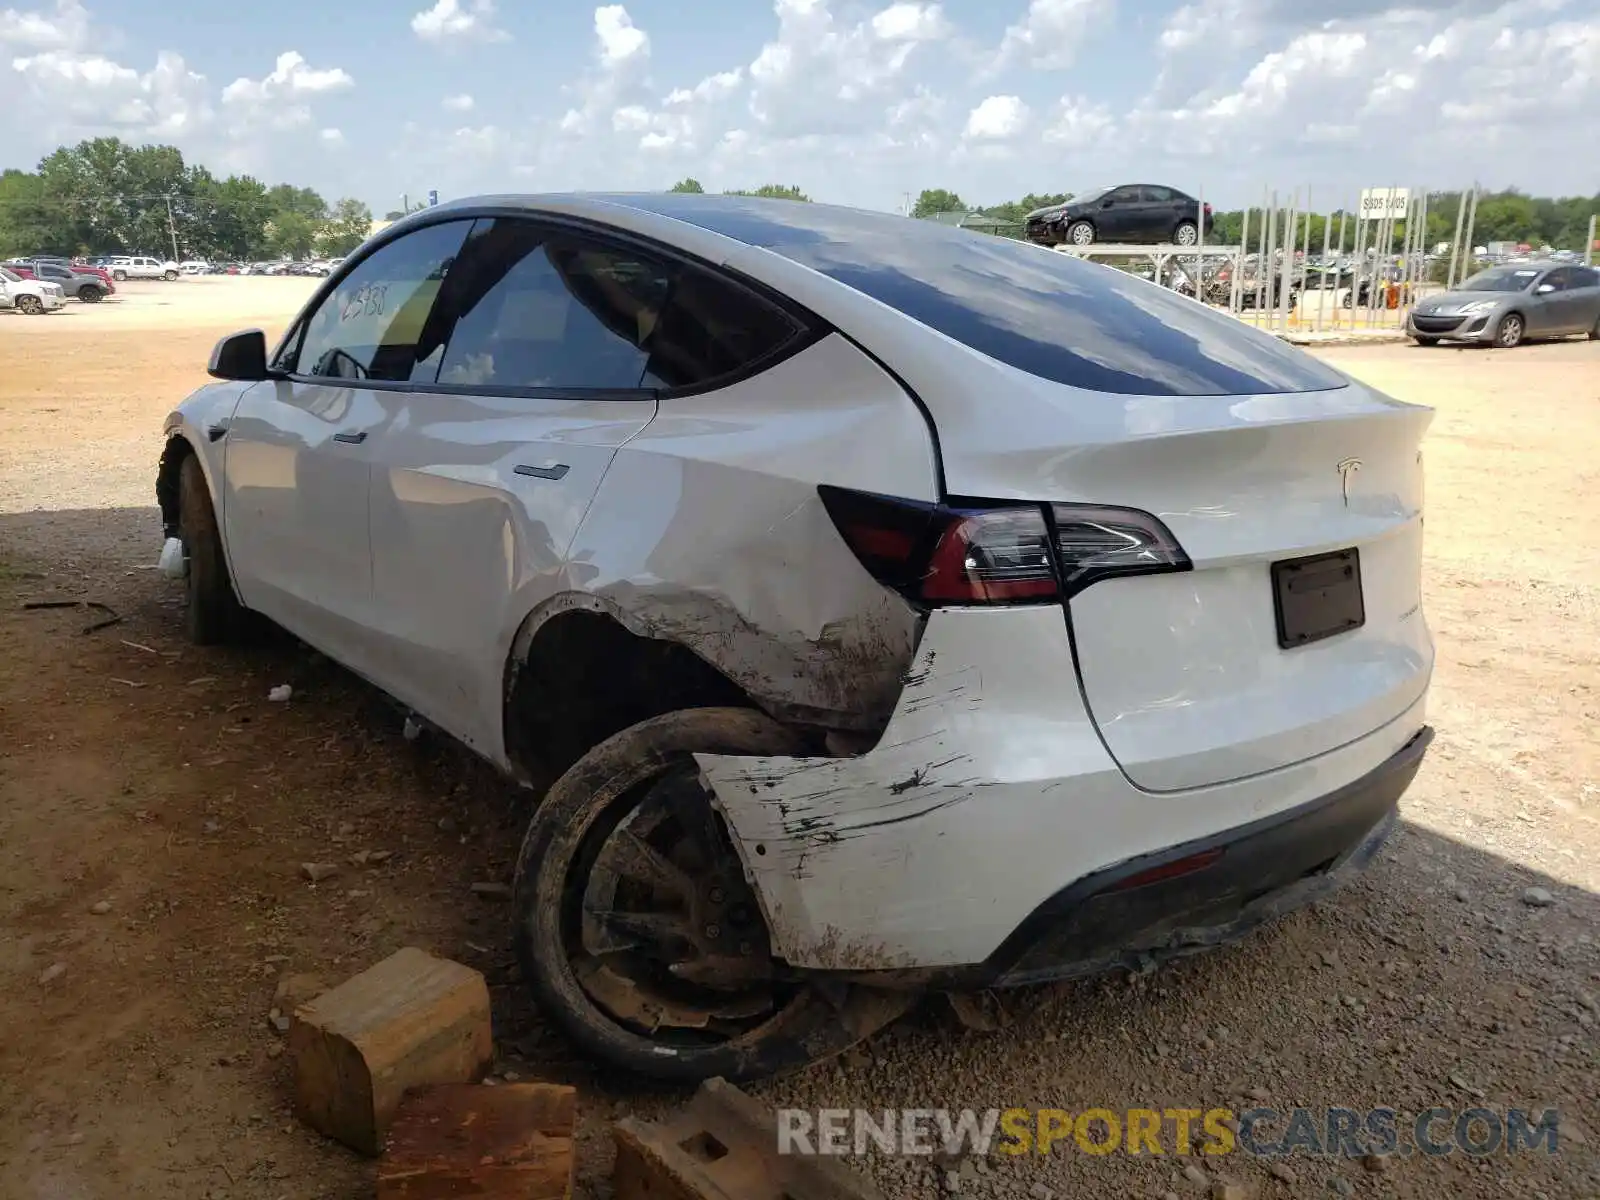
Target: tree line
{"type": "Point", "coordinates": [104, 196]}
{"type": "Point", "coordinates": [1505, 216]}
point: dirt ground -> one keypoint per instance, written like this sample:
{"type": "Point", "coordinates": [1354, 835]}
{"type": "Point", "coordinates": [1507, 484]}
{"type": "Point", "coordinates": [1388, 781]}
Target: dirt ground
{"type": "Point", "coordinates": [155, 808]}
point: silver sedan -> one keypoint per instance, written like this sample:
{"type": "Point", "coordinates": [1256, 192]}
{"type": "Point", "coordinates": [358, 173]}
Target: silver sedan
{"type": "Point", "coordinates": [1504, 305]}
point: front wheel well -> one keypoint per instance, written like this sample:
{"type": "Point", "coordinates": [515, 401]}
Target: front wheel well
{"type": "Point", "coordinates": [583, 677]}
{"type": "Point", "coordinates": [177, 449]}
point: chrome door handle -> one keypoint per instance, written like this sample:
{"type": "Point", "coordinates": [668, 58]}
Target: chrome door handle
{"type": "Point", "coordinates": [556, 471]}
{"type": "Point", "coordinates": [354, 439]}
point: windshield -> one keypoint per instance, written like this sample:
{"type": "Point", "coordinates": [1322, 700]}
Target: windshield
{"type": "Point", "coordinates": [1091, 195]}
{"type": "Point", "coordinates": [9, 277]}
{"type": "Point", "coordinates": [1501, 279]}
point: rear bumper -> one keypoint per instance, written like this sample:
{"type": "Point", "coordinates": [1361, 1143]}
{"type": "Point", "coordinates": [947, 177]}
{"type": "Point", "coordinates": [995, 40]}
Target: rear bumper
{"type": "Point", "coordinates": [1131, 916]}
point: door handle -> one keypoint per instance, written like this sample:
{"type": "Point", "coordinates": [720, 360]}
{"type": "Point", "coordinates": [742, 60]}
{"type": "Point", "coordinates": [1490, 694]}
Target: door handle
{"type": "Point", "coordinates": [353, 439]}
{"type": "Point", "coordinates": [555, 471]}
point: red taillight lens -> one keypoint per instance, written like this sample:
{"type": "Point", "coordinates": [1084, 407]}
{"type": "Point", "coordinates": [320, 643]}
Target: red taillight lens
{"type": "Point", "coordinates": [997, 553]}
{"type": "Point", "coordinates": [994, 556]}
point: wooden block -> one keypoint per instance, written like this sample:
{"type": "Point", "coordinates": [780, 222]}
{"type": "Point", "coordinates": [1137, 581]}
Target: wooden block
{"type": "Point", "coordinates": [410, 1021]}
{"type": "Point", "coordinates": [724, 1146]}
{"type": "Point", "coordinates": [513, 1142]}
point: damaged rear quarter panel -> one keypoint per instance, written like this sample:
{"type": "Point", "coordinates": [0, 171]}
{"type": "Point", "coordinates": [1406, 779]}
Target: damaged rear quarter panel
{"type": "Point", "coordinates": [708, 531]}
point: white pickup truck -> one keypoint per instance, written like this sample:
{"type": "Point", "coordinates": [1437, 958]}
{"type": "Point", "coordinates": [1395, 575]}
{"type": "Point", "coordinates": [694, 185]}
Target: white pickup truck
{"type": "Point", "coordinates": [139, 267]}
{"type": "Point", "coordinates": [29, 296]}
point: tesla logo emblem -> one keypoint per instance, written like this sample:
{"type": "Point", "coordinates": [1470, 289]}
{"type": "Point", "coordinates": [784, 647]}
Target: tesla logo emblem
{"type": "Point", "coordinates": [1346, 468]}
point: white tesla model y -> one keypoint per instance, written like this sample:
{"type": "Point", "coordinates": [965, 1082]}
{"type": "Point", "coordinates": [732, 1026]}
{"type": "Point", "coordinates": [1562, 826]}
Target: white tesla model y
{"type": "Point", "coordinates": [896, 607]}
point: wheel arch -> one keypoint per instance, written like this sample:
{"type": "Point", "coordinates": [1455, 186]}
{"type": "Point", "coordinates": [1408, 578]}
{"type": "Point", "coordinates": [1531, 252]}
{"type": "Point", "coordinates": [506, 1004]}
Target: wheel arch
{"type": "Point", "coordinates": [626, 673]}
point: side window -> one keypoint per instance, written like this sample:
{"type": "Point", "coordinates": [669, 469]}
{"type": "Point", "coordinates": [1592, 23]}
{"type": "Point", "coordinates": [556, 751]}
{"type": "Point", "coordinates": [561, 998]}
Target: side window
{"type": "Point", "coordinates": [539, 308]}
{"type": "Point", "coordinates": [1585, 277]}
{"type": "Point", "coordinates": [1126, 195]}
{"type": "Point", "coordinates": [1159, 195]}
{"type": "Point", "coordinates": [710, 328]}
{"type": "Point", "coordinates": [375, 324]}
{"type": "Point", "coordinates": [1560, 279]}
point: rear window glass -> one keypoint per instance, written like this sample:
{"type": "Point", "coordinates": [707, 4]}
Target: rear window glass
{"type": "Point", "coordinates": [1051, 315]}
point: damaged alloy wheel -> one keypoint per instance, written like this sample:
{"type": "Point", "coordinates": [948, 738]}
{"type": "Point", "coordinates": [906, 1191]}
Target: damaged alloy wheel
{"type": "Point", "coordinates": [637, 930]}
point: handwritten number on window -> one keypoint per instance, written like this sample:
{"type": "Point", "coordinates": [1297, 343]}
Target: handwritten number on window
{"type": "Point", "coordinates": [367, 301]}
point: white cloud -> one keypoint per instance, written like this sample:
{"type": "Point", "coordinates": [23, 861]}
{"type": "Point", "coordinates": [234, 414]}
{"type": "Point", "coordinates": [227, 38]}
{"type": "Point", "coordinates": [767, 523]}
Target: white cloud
{"type": "Point", "coordinates": [911, 22]}
{"type": "Point", "coordinates": [281, 99]}
{"type": "Point", "coordinates": [87, 94]}
{"type": "Point", "coordinates": [1080, 124]}
{"type": "Point", "coordinates": [620, 40]}
{"type": "Point", "coordinates": [67, 27]}
{"type": "Point", "coordinates": [290, 77]}
{"type": "Point", "coordinates": [453, 21]}
{"type": "Point", "coordinates": [483, 141]}
{"type": "Point", "coordinates": [1051, 33]}
{"type": "Point", "coordinates": [997, 119]}
{"type": "Point", "coordinates": [459, 104]}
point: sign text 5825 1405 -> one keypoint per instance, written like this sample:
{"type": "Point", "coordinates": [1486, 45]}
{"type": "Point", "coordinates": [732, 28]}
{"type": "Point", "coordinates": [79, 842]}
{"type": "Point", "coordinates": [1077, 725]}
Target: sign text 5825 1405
{"type": "Point", "coordinates": [1378, 203]}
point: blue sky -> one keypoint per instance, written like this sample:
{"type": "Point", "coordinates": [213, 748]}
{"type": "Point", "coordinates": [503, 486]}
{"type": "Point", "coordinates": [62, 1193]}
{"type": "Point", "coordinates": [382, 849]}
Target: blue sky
{"type": "Point", "coordinates": [859, 103]}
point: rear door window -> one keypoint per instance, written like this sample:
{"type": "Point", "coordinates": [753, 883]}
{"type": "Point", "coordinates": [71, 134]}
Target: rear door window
{"type": "Point", "coordinates": [542, 308]}
{"type": "Point", "coordinates": [538, 309]}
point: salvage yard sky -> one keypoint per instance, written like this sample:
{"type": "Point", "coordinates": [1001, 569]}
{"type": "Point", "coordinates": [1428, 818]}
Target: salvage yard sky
{"type": "Point", "coordinates": [855, 103]}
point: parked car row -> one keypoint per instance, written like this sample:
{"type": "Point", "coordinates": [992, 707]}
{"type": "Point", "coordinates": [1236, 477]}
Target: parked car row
{"type": "Point", "coordinates": [87, 284]}
{"type": "Point", "coordinates": [30, 296]}
{"type": "Point", "coordinates": [316, 266]}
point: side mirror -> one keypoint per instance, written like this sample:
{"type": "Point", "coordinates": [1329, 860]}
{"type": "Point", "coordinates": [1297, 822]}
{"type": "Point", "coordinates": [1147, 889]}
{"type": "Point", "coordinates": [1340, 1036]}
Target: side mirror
{"type": "Point", "coordinates": [1544, 289]}
{"type": "Point", "coordinates": [1107, 203]}
{"type": "Point", "coordinates": [240, 356]}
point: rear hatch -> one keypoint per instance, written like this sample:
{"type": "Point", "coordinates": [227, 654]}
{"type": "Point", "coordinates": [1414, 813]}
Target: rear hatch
{"type": "Point", "coordinates": [1299, 627]}
{"type": "Point", "coordinates": [1065, 383]}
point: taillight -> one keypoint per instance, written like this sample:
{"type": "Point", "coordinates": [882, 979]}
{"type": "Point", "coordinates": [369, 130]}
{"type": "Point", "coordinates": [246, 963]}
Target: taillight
{"type": "Point", "coordinates": [997, 553]}
{"type": "Point", "coordinates": [1095, 542]}
{"type": "Point", "coordinates": [991, 556]}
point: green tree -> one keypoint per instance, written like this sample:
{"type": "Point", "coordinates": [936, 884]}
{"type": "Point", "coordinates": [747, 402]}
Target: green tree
{"type": "Point", "coordinates": [937, 200]}
{"type": "Point", "coordinates": [1017, 210]}
{"type": "Point", "coordinates": [772, 191]}
{"type": "Point", "coordinates": [688, 185]}
{"type": "Point", "coordinates": [291, 234]}
{"type": "Point", "coordinates": [350, 225]}
{"type": "Point", "coordinates": [29, 224]}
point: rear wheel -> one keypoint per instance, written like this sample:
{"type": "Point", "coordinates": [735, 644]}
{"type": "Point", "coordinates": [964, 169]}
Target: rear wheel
{"type": "Point", "coordinates": [1187, 233]}
{"type": "Point", "coordinates": [1594, 334]}
{"type": "Point", "coordinates": [169, 276]}
{"type": "Point", "coordinates": [89, 294]}
{"type": "Point", "coordinates": [213, 614]}
{"type": "Point", "coordinates": [1080, 233]}
{"type": "Point", "coordinates": [637, 931]}
{"type": "Point", "coordinates": [1509, 333]}
{"type": "Point", "coordinates": [31, 305]}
